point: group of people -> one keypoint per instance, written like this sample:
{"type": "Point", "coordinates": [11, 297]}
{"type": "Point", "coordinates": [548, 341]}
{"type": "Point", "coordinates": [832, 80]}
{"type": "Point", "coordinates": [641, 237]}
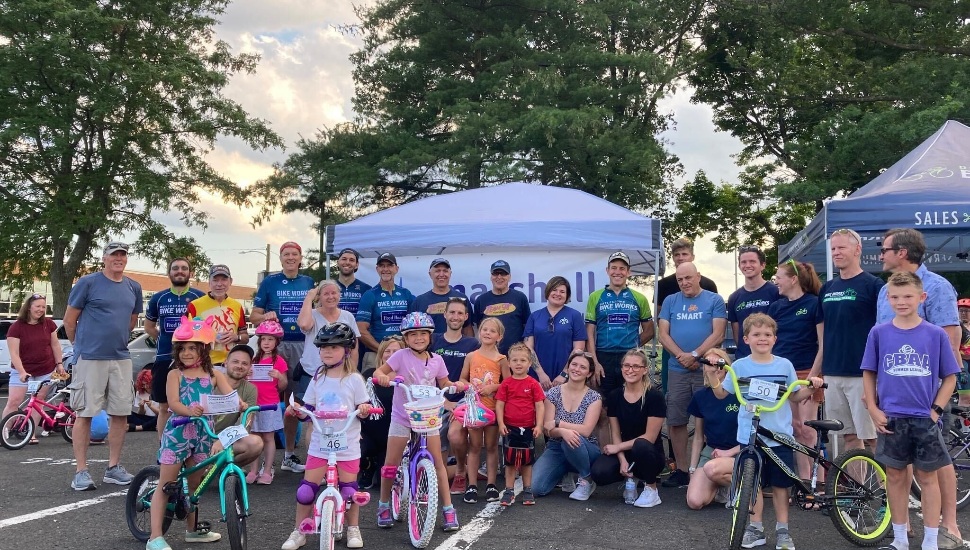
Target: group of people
{"type": "Point", "coordinates": [574, 396]}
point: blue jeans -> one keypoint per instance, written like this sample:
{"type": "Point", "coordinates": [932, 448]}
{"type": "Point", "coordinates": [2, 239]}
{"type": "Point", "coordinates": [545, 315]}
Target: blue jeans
{"type": "Point", "coordinates": [558, 459]}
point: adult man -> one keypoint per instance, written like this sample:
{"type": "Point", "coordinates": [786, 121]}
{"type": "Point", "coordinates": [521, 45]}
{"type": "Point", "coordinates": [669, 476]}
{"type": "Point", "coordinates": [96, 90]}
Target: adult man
{"type": "Point", "coordinates": [848, 311]}
{"type": "Point", "coordinates": [165, 310]}
{"type": "Point", "coordinates": [230, 317]}
{"type": "Point", "coordinates": [279, 298]}
{"type": "Point", "coordinates": [102, 308]}
{"type": "Point", "coordinates": [507, 304]}
{"type": "Point", "coordinates": [902, 251]}
{"type": "Point", "coordinates": [618, 319]}
{"type": "Point", "coordinates": [238, 364]}
{"type": "Point", "coordinates": [433, 302]}
{"type": "Point", "coordinates": [351, 289]}
{"type": "Point", "coordinates": [754, 297]}
{"type": "Point", "coordinates": [681, 250]}
{"type": "Point", "coordinates": [692, 321]}
{"type": "Point", "coordinates": [382, 308]}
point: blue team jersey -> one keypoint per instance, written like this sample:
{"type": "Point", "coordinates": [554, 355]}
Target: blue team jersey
{"type": "Point", "coordinates": [384, 310]}
{"type": "Point", "coordinates": [166, 309]}
{"type": "Point", "coordinates": [617, 318]}
{"type": "Point", "coordinates": [350, 295]}
{"type": "Point", "coordinates": [284, 296]}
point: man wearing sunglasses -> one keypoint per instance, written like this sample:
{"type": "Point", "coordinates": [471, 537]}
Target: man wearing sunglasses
{"type": "Point", "coordinates": [754, 297]}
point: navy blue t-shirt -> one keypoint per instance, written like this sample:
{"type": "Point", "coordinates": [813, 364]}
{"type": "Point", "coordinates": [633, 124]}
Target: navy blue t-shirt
{"type": "Point", "coordinates": [350, 295]}
{"type": "Point", "coordinates": [435, 305]}
{"type": "Point", "coordinates": [166, 309]}
{"type": "Point", "coordinates": [512, 308]}
{"type": "Point", "coordinates": [720, 417]}
{"type": "Point", "coordinates": [553, 338]}
{"type": "Point", "coordinates": [742, 303]}
{"type": "Point", "coordinates": [797, 329]}
{"type": "Point", "coordinates": [849, 311]}
{"type": "Point", "coordinates": [454, 356]}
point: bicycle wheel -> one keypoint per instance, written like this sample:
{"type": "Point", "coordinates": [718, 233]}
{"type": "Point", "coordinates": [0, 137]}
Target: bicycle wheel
{"type": "Point", "coordinates": [742, 505]}
{"type": "Point", "coordinates": [857, 493]}
{"type": "Point", "coordinates": [138, 504]}
{"type": "Point", "coordinates": [423, 509]}
{"type": "Point", "coordinates": [399, 494]}
{"type": "Point", "coordinates": [67, 428]}
{"type": "Point", "coordinates": [235, 513]}
{"type": "Point", "coordinates": [16, 429]}
{"type": "Point", "coordinates": [959, 450]}
{"type": "Point", "coordinates": [328, 522]}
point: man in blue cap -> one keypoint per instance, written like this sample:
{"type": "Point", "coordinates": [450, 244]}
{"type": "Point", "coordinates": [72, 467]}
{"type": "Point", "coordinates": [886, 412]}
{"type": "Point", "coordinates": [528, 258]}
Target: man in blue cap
{"type": "Point", "coordinates": [507, 304]}
{"type": "Point", "coordinates": [434, 301]}
{"type": "Point", "coordinates": [381, 309]}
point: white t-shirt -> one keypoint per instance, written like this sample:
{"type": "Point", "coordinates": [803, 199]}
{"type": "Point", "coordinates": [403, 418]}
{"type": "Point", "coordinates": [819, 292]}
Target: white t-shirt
{"type": "Point", "coordinates": [311, 354]}
{"type": "Point", "coordinates": [328, 392]}
{"type": "Point", "coordinates": [138, 398]}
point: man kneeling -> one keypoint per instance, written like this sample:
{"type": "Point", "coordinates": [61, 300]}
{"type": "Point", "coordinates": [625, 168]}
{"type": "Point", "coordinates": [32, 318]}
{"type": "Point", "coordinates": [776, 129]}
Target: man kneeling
{"type": "Point", "coordinates": [238, 364]}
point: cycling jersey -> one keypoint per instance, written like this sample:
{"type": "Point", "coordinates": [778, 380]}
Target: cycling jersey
{"type": "Point", "coordinates": [617, 318]}
{"type": "Point", "coordinates": [284, 296]}
{"type": "Point", "coordinates": [350, 295]}
{"type": "Point", "coordinates": [229, 317]}
{"type": "Point", "coordinates": [166, 309]}
{"type": "Point", "coordinates": [384, 310]}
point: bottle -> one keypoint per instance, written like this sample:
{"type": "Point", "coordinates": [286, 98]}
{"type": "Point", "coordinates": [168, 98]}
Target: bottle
{"type": "Point", "coordinates": [630, 491]}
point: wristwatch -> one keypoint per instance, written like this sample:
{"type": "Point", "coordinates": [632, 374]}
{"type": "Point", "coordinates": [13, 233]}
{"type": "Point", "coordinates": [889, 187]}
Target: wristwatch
{"type": "Point", "coordinates": [694, 354]}
{"type": "Point", "coordinates": [937, 409]}
{"type": "Point", "coordinates": [557, 423]}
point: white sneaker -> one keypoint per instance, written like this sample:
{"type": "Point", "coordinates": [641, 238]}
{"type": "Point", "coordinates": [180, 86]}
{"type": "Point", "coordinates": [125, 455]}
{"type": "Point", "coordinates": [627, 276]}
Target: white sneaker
{"type": "Point", "coordinates": [293, 464]}
{"type": "Point", "coordinates": [584, 488]}
{"type": "Point", "coordinates": [354, 540]}
{"type": "Point", "coordinates": [648, 498]}
{"type": "Point", "coordinates": [294, 541]}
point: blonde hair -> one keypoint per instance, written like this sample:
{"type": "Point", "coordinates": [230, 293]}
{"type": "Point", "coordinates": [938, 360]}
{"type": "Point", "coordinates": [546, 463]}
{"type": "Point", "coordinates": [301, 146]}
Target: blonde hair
{"type": "Point", "coordinates": [521, 347]}
{"type": "Point", "coordinates": [498, 325]}
{"type": "Point", "coordinates": [645, 379]}
{"type": "Point", "coordinates": [386, 343]}
{"type": "Point", "coordinates": [347, 367]}
{"type": "Point", "coordinates": [720, 353]}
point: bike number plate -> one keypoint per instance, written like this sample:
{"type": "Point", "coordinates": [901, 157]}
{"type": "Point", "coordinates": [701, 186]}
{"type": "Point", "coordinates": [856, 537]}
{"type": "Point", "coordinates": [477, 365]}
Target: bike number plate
{"type": "Point", "coordinates": [763, 390]}
{"type": "Point", "coordinates": [231, 435]}
{"type": "Point", "coordinates": [33, 386]}
{"type": "Point", "coordinates": [420, 392]}
{"type": "Point", "coordinates": [334, 442]}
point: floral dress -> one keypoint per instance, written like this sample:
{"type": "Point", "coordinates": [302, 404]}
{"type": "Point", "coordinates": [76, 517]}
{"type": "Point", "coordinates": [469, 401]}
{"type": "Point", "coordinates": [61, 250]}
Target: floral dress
{"type": "Point", "coordinates": [188, 440]}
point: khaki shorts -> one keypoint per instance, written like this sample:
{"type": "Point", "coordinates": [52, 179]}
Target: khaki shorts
{"type": "Point", "coordinates": [843, 401]}
{"type": "Point", "coordinates": [291, 351]}
{"type": "Point", "coordinates": [102, 385]}
{"type": "Point", "coordinates": [370, 361]}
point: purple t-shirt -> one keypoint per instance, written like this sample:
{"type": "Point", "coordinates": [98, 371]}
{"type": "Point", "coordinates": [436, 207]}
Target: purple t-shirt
{"type": "Point", "coordinates": [909, 364]}
{"type": "Point", "coordinates": [406, 364]}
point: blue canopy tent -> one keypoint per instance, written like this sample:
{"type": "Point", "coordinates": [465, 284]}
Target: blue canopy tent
{"type": "Point", "coordinates": [928, 189]}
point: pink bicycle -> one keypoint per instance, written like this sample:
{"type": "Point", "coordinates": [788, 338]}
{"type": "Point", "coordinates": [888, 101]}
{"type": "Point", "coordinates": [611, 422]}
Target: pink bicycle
{"type": "Point", "coordinates": [17, 428]}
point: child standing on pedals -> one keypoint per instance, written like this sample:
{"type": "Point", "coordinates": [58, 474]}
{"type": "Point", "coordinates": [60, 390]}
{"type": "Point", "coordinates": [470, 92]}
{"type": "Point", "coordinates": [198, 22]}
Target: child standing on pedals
{"type": "Point", "coordinates": [266, 423]}
{"type": "Point", "coordinates": [484, 370]}
{"type": "Point", "coordinates": [760, 334]}
{"type": "Point", "coordinates": [416, 365]}
{"type": "Point", "coordinates": [909, 372]}
{"type": "Point", "coordinates": [191, 377]}
{"type": "Point", "coordinates": [519, 410]}
{"type": "Point", "coordinates": [335, 385]}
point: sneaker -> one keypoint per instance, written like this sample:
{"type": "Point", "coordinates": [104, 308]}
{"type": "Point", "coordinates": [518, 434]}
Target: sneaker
{"type": "Point", "coordinates": [251, 476]}
{"type": "Point", "coordinates": [722, 495]}
{"type": "Point", "coordinates": [354, 540]}
{"type": "Point", "coordinates": [365, 480]}
{"type": "Point", "coordinates": [568, 483]}
{"type": "Point", "coordinates": [584, 488]}
{"type": "Point", "coordinates": [459, 484]}
{"type": "Point", "coordinates": [508, 498]}
{"type": "Point", "coordinates": [294, 541]}
{"type": "Point", "coordinates": [491, 493]}
{"type": "Point", "coordinates": [753, 537]}
{"type": "Point", "coordinates": [157, 544]}
{"type": "Point", "coordinates": [471, 494]}
{"type": "Point", "coordinates": [783, 540]}
{"type": "Point", "coordinates": [528, 498]}
{"type": "Point", "coordinates": [202, 536]}
{"type": "Point", "coordinates": [265, 478]}
{"type": "Point", "coordinates": [679, 478]}
{"type": "Point", "coordinates": [117, 475]}
{"type": "Point", "coordinates": [83, 482]}
{"type": "Point", "coordinates": [648, 498]}
{"type": "Point", "coordinates": [384, 517]}
{"type": "Point", "coordinates": [451, 520]}
{"type": "Point", "coordinates": [293, 464]}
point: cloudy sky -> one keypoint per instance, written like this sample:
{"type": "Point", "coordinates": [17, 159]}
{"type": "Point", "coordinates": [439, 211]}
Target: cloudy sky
{"type": "Point", "coordinates": [303, 83]}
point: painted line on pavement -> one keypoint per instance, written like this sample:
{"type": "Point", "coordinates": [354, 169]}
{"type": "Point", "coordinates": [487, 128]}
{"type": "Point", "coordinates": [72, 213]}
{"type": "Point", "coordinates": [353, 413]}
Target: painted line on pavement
{"type": "Point", "coordinates": [50, 512]}
{"type": "Point", "coordinates": [478, 526]}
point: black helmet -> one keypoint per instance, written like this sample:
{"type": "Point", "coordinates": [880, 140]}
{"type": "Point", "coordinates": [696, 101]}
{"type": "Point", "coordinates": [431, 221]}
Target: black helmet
{"type": "Point", "coordinates": [335, 334]}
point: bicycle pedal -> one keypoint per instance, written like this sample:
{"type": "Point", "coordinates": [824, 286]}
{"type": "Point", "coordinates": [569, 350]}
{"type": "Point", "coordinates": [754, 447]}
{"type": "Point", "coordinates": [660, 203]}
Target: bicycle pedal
{"type": "Point", "coordinates": [308, 526]}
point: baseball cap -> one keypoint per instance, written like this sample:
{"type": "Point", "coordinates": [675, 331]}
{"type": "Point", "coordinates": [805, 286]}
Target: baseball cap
{"type": "Point", "coordinates": [619, 255]}
{"type": "Point", "coordinates": [438, 261]}
{"type": "Point", "coordinates": [243, 348]}
{"type": "Point", "coordinates": [501, 265]}
{"type": "Point", "coordinates": [115, 246]}
{"type": "Point", "coordinates": [290, 244]}
{"type": "Point", "coordinates": [349, 251]}
{"type": "Point", "coordinates": [219, 269]}
{"type": "Point", "coordinates": [387, 257]}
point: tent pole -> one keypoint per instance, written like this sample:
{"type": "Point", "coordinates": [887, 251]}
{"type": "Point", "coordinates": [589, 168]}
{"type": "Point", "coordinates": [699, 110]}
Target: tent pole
{"type": "Point", "coordinates": [323, 250]}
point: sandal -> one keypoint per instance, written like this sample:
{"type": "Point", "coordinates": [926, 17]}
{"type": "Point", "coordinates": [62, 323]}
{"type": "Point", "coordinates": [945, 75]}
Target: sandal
{"type": "Point", "coordinates": [34, 441]}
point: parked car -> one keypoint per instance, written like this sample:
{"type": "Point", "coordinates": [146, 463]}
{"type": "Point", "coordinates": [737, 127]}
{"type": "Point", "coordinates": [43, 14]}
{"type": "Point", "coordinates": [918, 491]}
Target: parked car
{"type": "Point", "coordinates": [4, 353]}
{"type": "Point", "coordinates": [142, 350]}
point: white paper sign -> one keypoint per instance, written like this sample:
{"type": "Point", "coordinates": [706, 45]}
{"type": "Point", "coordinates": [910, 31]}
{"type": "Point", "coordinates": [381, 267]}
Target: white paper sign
{"type": "Point", "coordinates": [261, 373]}
{"type": "Point", "coordinates": [420, 392]}
{"type": "Point", "coordinates": [33, 386]}
{"type": "Point", "coordinates": [220, 404]}
{"type": "Point", "coordinates": [333, 442]}
{"type": "Point", "coordinates": [763, 390]}
{"type": "Point", "coordinates": [231, 435]}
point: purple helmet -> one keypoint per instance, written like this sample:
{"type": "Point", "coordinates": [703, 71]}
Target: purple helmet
{"type": "Point", "coordinates": [417, 321]}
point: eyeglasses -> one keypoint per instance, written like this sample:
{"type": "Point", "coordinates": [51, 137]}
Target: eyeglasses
{"type": "Point", "coordinates": [884, 250]}
{"type": "Point", "coordinates": [38, 297]}
{"type": "Point", "coordinates": [631, 366]}
{"type": "Point", "coordinates": [744, 249]}
{"type": "Point", "coordinates": [394, 338]}
{"type": "Point", "coordinates": [578, 352]}
{"type": "Point", "coordinates": [552, 325]}
{"type": "Point", "coordinates": [849, 232]}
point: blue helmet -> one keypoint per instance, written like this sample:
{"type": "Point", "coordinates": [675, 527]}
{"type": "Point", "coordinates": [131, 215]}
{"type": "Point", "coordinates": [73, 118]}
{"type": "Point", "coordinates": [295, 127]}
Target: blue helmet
{"type": "Point", "coordinates": [417, 321]}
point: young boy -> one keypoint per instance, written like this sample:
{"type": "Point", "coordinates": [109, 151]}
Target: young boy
{"type": "Point", "coordinates": [759, 334]}
{"type": "Point", "coordinates": [902, 369]}
{"type": "Point", "coordinates": [519, 412]}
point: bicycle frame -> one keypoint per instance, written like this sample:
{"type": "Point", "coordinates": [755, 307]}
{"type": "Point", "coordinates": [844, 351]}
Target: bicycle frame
{"type": "Point", "coordinates": [417, 446]}
{"type": "Point", "coordinates": [40, 406]}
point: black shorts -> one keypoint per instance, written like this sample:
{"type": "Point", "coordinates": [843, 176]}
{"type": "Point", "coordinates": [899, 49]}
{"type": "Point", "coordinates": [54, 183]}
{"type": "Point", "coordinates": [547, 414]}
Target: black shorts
{"type": "Point", "coordinates": [520, 447]}
{"type": "Point", "coordinates": [612, 377]}
{"type": "Point", "coordinates": [773, 475]}
{"type": "Point", "coordinates": [160, 370]}
{"type": "Point", "coordinates": [916, 441]}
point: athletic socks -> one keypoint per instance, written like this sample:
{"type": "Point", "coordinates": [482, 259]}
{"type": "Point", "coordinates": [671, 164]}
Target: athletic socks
{"type": "Point", "coordinates": [929, 537]}
{"type": "Point", "coordinates": [900, 537]}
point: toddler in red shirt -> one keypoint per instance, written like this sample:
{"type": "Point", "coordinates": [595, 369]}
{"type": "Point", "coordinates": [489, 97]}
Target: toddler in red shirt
{"type": "Point", "coordinates": [519, 410]}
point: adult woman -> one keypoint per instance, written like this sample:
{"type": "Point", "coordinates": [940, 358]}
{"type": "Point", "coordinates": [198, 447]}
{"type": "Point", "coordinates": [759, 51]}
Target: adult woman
{"type": "Point", "coordinates": [554, 331]}
{"type": "Point", "coordinates": [637, 412]}
{"type": "Point", "coordinates": [715, 443]}
{"type": "Point", "coordinates": [571, 412]}
{"type": "Point", "coordinates": [799, 333]}
{"type": "Point", "coordinates": [34, 349]}
{"type": "Point", "coordinates": [312, 319]}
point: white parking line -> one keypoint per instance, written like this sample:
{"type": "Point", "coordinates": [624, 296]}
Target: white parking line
{"type": "Point", "coordinates": [51, 512]}
{"type": "Point", "coordinates": [478, 526]}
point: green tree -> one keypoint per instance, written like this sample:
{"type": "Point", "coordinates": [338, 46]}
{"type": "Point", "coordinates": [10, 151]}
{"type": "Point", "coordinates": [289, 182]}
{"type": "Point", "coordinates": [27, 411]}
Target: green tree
{"type": "Point", "coordinates": [107, 111]}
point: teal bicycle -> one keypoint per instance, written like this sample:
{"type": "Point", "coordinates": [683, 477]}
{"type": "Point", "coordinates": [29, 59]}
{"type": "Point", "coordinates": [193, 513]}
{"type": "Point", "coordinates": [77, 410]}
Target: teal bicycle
{"type": "Point", "coordinates": [234, 498]}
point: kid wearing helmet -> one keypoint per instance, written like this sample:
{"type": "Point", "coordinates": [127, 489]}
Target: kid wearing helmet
{"type": "Point", "coordinates": [417, 365]}
{"type": "Point", "coordinates": [335, 385]}
{"type": "Point", "coordinates": [269, 375]}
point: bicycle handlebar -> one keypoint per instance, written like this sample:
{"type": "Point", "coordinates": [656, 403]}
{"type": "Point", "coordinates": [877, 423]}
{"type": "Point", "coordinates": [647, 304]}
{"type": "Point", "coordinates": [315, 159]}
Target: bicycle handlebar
{"type": "Point", "coordinates": [722, 364]}
{"type": "Point", "coordinates": [183, 420]}
{"type": "Point", "coordinates": [316, 416]}
{"type": "Point", "coordinates": [399, 381]}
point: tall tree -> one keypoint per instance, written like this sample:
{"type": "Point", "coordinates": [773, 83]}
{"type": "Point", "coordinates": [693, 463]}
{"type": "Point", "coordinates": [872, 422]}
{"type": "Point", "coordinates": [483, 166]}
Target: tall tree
{"type": "Point", "coordinates": [107, 110]}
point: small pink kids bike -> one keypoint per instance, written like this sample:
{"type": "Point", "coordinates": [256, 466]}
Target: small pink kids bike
{"type": "Point", "coordinates": [17, 428]}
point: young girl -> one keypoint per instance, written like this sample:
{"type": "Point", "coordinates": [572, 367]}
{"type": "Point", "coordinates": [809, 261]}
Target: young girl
{"type": "Point", "coordinates": [484, 370]}
{"type": "Point", "coordinates": [265, 423]}
{"type": "Point", "coordinates": [143, 411]}
{"type": "Point", "coordinates": [519, 411]}
{"type": "Point", "coordinates": [336, 385]}
{"type": "Point", "coordinates": [373, 443]}
{"type": "Point", "coordinates": [191, 377]}
{"type": "Point", "coordinates": [416, 365]}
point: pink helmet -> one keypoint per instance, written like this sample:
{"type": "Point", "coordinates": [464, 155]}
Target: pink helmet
{"type": "Point", "coordinates": [269, 328]}
{"type": "Point", "coordinates": [195, 330]}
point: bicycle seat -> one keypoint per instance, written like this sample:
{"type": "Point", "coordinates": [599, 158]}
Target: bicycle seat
{"type": "Point", "coordinates": [825, 425]}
